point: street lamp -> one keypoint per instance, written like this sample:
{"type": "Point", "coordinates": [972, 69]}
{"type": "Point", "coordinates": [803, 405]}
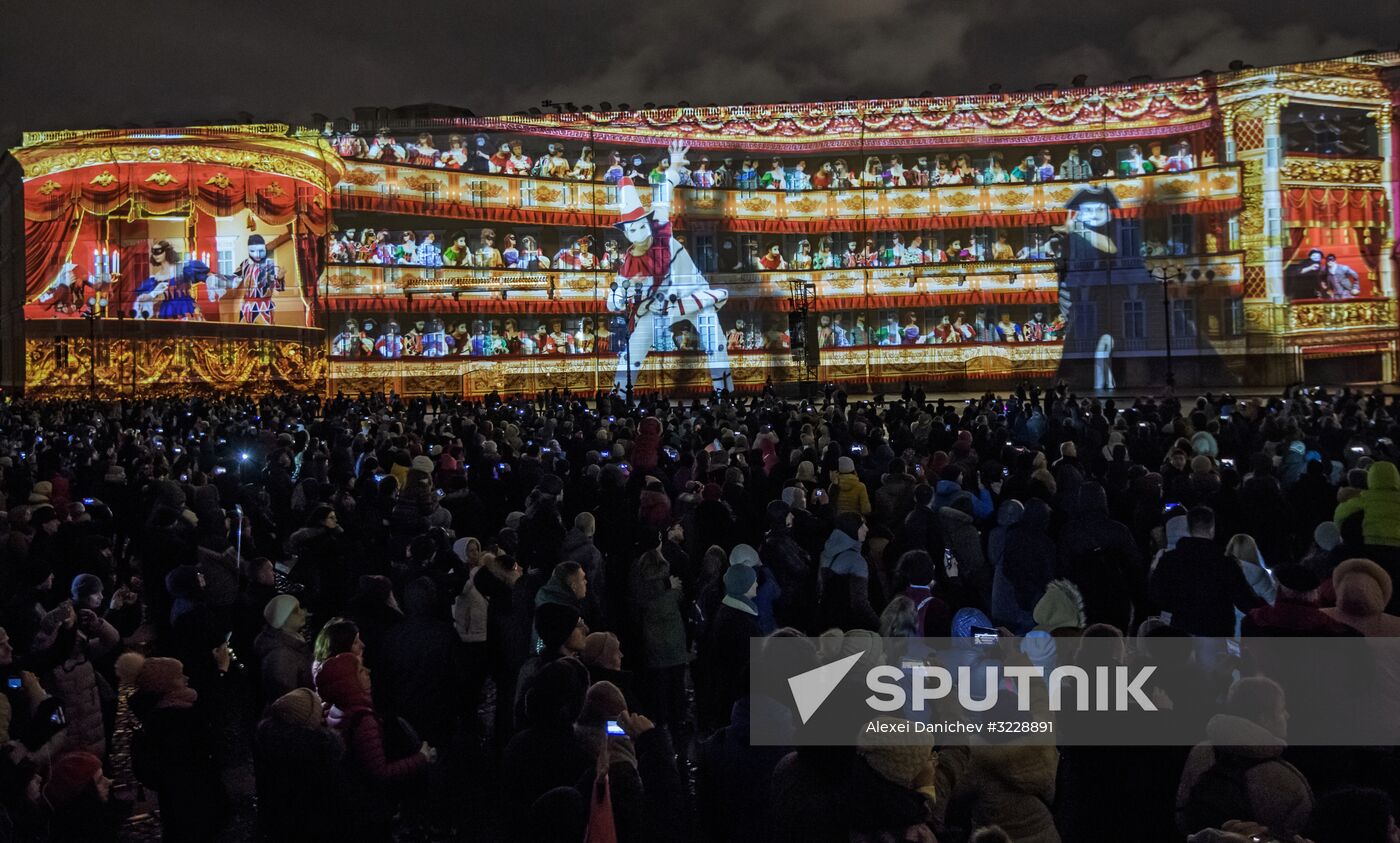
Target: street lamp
{"type": "Point", "coordinates": [91, 317]}
{"type": "Point", "coordinates": [802, 293]}
{"type": "Point", "coordinates": [1165, 275]}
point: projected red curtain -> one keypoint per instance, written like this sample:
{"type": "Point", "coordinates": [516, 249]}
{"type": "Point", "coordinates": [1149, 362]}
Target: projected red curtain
{"type": "Point", "coordinates": [310, 259]}
{"type": "Point", "coordinates": [1335, 207]}
{"type": "Point", "coordinates": [45, 245]}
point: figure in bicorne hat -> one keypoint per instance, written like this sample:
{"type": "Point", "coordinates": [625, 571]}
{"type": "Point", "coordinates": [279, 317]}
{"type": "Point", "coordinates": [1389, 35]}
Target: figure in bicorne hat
{"type": "Point", "coordinates": [658, 283]}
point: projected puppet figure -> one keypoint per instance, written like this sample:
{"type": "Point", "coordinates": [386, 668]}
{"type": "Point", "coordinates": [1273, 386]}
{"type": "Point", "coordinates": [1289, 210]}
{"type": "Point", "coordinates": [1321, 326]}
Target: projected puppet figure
{"type": "Point", "coordinates": [658, 283]}
{"type": "Point", "coordinates": [165, 268]}
{"type": "Point", "coordinates": [65, 294]}
{"type": "Point", "coordinates": [1092, 243]}
{"type": "Point", "coordinates": [259, 276]}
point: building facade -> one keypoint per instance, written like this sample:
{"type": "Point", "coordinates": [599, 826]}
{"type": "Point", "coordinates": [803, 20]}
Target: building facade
{"type": "Point", "coordinates": [1234, 230]}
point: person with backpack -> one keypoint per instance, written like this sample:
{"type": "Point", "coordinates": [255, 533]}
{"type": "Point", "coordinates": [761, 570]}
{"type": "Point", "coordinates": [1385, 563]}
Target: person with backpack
{"type": "Point", "coordinates": [174, 752]}
{"type": "Point", "coordinates": [1238, 773]}
{"type": "Point", "coordinates": [381, 762]}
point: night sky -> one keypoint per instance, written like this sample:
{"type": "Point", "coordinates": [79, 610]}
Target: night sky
{"type": "Point", "coordinates": [69, 64]}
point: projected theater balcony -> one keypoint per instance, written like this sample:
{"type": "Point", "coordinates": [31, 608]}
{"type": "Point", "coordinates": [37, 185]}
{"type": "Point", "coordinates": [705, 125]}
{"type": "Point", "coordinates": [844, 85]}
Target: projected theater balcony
{"type": "Point", "coordinates": [170, 260]}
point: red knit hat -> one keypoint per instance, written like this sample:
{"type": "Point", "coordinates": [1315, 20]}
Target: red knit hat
{"type": "Point", "coordinates": [338, 683]}
{"type": "Point", "coordinates": [69, 776]}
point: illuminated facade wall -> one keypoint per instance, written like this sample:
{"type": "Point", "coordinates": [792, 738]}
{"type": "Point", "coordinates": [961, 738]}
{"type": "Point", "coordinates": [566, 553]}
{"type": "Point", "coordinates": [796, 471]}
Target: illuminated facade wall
{"type": "Point", "coordinates": [954, 241]}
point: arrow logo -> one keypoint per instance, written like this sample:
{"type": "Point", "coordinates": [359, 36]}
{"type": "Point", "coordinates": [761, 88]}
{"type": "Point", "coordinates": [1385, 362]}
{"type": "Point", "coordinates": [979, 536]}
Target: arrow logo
{"type": "Point", "coordinates": [810, 689]}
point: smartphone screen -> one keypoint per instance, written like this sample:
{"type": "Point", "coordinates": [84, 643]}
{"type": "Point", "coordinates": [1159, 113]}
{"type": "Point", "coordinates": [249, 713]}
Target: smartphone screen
{"type": "Point", "coordinates": [614, 728]}
{"type": "Point", "coordinates": [984, 636]}
{"type": "Point", "coordinates": [15, 683]}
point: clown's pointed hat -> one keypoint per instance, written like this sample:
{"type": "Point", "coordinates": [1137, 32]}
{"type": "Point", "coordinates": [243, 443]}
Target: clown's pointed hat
{"type": "Point", "coordinates": [629, 205]}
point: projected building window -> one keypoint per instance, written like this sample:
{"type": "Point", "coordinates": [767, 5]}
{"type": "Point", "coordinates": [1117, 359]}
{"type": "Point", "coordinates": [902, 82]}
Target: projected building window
{"type": "Point", "coordinates": [1328, 130]}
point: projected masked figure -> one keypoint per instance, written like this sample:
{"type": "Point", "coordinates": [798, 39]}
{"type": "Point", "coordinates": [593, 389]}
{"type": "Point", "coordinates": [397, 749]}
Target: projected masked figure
{"type": "Point", "coordinates": [436, 341]}
{"type": "Point", "coordinates": [658, 283]}
{"type": "Point", "coordinates": [164, 272]}
{"type": "Point", "coordinates": [390, 344]}
{"type": "Point", "coordinates": [350, 342]}
{"type": "Point", "coordinates": [259, 276]}
{"type": "Point", "coordinates": [177, 302]}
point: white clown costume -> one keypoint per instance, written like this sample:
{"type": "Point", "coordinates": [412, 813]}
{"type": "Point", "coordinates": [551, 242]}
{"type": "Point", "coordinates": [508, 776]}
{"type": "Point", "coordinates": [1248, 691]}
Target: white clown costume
{"type": "Point", "coordinates": [658, 283]}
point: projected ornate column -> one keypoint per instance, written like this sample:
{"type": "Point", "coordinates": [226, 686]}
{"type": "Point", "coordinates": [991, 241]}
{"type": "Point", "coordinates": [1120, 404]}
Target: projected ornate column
{"type": "Point", "coordinates": [1271, 195]}
{"type": "Point", "coordinates": [1385, 141]}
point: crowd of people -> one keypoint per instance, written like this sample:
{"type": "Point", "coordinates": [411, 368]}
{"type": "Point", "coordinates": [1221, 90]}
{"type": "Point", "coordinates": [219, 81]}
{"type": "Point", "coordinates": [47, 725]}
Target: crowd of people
{"type": "Point", "coordinates": [527, 620]}
{"type": "Point", "coordinates": [575, 254]}
{"type": "Point", "coordinates": [428, 335]}
{"type": "Point", "coordinates": [481, 154]}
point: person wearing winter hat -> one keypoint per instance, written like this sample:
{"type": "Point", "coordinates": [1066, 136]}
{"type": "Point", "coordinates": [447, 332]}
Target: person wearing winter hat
{"type": "Point", "coordinates": [41, 493]}
{"type": "Point", "coordinates": [1324, 555]}
{"type": "Point", "coordinates": [344, 683]}
{"type": "Point", "coordinates": [724, 652]}
{"type": "Point", "coordinates": [847, 492]}
{"type": "Point", "coordinates": [1250, 735]}
{"type": "Point", "coordinates": [603, 702]}
{"type": "Point", "coordinates": [283, 654]}
{"type": "Point", "coordinates": [1363, 591]}
{"type": "Point", "coordinates": [183, 767]}
{"type": "Point", "coordinates": [602, 655]}
{"type": "Point", "coordinates": [375, 610]}
{"type": "Point", "coordinates": [422, 463]}
{"type": "Point", "coordinates": [71, 775]}
{"type": "Point", "coordinates": [844, 577]}
{"type": "Point", "coordinates": [769, 592]}
{"type": "Point", "coordinates": [80, 796]}
{"type": "Point", "coordinates": [1379, 505]}
{"type": "Point", "coordinates": [656, 595]}
{"type": "Point", "coordinates": [44, 517]}
{"type": "Point", "coordinates": [86, 591]}
{"type": "Point", "coordinates": [297, 761]}
{"type": "Point", "coordinates": [561, 633]}
{"type": "Point", "coordinates": [546, 752]}
{"type": "Point", "coordinates": [908, 764]}
{"type": "Point", "coordinates": [1058, 614]}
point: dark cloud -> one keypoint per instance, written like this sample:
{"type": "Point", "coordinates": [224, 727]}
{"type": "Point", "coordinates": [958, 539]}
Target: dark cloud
{"type": "Point", "coordinates": [80, 63]}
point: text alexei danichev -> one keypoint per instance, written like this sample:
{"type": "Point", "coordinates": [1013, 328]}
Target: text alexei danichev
{"type": "Point", "coordinates": [956, 727]}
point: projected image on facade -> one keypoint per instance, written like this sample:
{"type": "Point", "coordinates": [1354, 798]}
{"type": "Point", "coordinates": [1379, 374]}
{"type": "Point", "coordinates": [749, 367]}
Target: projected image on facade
{"type": "Point", "coordinates": [1244, 221]}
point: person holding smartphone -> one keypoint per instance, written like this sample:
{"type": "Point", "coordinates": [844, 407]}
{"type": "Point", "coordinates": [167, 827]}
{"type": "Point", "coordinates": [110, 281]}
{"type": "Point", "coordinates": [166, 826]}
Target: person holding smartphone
{"type": "Point", "coordinates": [26, 711]}
{"type": "Point", "coordinates": [64, 652]}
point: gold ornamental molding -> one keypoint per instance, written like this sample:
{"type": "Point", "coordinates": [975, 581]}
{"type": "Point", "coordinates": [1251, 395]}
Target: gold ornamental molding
{"type": "Point", "coordinates": [1359, 89]}
{"type": "Point", "coordinates": [361, 177]}
{"type": "Point", "coordinates": [1267, 106]}
{"type": "Point", "coordinates": [314, 163]}
{"type": "Point", "coordinates": [1263, 317]}
{"type": "Point", "coordinates": [1333, 171]}
{"type": "Point", "coordinates": [1315, 316]}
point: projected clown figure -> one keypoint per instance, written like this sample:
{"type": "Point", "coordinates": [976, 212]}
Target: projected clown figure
{"type": "Point", "coordinates": [259, 276]}
{"type": "Point", "coordinates": [658, 283]}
